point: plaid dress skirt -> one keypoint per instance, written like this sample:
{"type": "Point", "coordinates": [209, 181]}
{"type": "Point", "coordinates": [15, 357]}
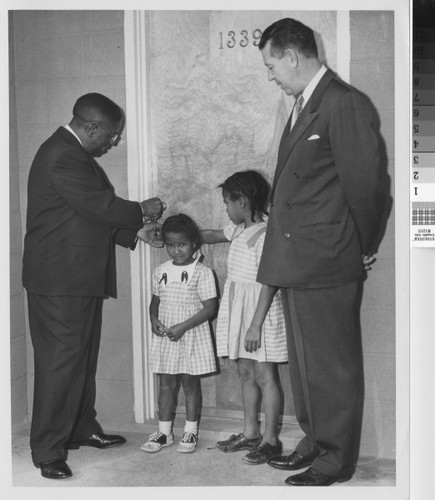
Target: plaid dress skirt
{"type": "Point", "coordinates": [193, 353]}
{"type": "Point", "coordinates": [240, 299]}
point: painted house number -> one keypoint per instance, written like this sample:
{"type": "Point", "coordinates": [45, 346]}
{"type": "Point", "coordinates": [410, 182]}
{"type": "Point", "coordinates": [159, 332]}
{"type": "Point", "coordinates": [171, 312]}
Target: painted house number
{"type": "Point", "coordinates": [244, 38]}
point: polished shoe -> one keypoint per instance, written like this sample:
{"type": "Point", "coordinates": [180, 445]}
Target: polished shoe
{"type": "Point", "coordinates": [55, 469]}
{"type": "Point", "coordinates": [237, 443]}
{"type": "Point", "coordinates": [294, 461]}
{"type": "Point", "coordinates": [97, 440]}
{"type": "Point", "coordinates": [262, 453]}
{"type": "Point", "coordinates": [312, 477]}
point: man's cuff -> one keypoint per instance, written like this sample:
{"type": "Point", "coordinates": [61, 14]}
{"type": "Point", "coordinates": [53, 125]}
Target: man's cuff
{"type": "Point", "coordinates": [144, 212]}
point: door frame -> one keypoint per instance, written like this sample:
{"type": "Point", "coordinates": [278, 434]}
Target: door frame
{"type": "Point", "coordinates": [141, 179]}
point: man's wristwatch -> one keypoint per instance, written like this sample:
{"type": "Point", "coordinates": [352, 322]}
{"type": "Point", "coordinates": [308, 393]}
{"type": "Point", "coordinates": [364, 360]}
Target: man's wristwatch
{"type": "Point", "coordinates": [145, 218]}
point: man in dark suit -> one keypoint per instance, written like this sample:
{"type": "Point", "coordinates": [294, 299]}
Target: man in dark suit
{"type": "Point", "coordinates": [74, 220]}
{"type": "Point", "coordinates": [326, 205]}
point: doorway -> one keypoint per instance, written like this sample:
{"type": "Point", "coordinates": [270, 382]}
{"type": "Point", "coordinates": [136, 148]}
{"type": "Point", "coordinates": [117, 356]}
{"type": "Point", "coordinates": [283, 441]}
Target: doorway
{"type": "Point", "coordinates": [200, 107]}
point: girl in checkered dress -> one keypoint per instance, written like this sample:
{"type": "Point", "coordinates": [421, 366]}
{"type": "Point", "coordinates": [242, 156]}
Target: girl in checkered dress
{"type": "Point", "coordinates": [184, 299]}
{"type": "Point", "coordinates": [250, 326]}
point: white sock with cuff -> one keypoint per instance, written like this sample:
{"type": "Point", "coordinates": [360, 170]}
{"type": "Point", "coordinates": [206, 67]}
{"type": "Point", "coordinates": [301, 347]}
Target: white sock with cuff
{"type": "Point", "coordinates": [165, 427]}
{"type": "Point", "coordinates": [191, 427]}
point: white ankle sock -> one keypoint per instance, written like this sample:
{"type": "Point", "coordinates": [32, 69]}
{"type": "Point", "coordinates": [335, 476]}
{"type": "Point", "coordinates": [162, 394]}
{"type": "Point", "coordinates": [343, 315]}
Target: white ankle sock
{"type": "Point", "coordinates": [191, 427]}
{"type": "Point", "coordinates": [165, 427]}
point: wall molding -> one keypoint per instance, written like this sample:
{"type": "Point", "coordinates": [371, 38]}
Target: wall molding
{"type": "Point", "coordinates": [140, 180]}
{"type": "Point", "coordinates": [343, 45]}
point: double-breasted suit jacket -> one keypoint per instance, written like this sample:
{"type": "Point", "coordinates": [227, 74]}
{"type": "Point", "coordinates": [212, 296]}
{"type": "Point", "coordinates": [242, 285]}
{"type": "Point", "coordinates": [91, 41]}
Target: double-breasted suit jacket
{"type": "Point", "coordinates": [326, 206]}
{"type": "Point", "coordinates": [327, 192]}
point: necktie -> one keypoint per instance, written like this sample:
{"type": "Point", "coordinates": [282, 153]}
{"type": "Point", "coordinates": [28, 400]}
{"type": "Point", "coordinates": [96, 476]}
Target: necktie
{"type": "Point", "coordinates": [296, 110]}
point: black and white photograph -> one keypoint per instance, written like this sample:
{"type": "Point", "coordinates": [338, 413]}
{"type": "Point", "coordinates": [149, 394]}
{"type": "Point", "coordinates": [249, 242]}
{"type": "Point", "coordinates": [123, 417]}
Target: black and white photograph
{"type": "Point", "coordinates": [208, 278]}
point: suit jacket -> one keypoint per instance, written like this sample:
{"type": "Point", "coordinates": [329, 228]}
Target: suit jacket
{"type": "Point", "coordinates": [74, 220]}
{"type": "Point", "coordinates": [327, 193]}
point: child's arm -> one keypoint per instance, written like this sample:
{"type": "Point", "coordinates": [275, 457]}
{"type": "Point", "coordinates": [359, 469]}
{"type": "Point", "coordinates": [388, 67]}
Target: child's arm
{"type": "Point", "coordinates": [209, 309]}
{"type": "Point", "coordinates": [213, 236]}
{"type": "Point", "coordinates": [157, 327]}
{"type": "Point", "coordinates": [253, 335]}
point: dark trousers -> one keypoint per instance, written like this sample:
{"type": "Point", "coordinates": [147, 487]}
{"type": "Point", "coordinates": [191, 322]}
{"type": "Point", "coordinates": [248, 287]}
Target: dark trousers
{"type": "Point", "coordinates": [326, 372]}
{"type": "Point", "coordinates": [65, 334]}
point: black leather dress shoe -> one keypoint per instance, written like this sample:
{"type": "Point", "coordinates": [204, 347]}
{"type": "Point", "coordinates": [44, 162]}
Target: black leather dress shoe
{"type": "Point", "coordinates": [97, 440]}
{"type": "Point", "coordinates": [294, 461]}
{"type": "Point", "coordinates": [312, 477]}
{"type": "Point", "coordinates": [56, 469]}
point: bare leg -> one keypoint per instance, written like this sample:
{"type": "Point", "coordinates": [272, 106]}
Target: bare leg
{"type": "Point", "coordinates": [251, 396]}
{"type": "Point", "coordinates": [193, 396]}
{"type": "Point", "coordinates": [169, 386]}
{"type": "Point", "coordinates": [265, 376]}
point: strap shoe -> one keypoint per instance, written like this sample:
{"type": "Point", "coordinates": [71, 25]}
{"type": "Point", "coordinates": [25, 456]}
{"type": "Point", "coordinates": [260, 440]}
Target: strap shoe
{"type": "Point", "coordinates": [262, 453]}
{"type": "Point", "coordinates": [238, 442]}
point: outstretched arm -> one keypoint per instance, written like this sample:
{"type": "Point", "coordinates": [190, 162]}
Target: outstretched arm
{"type": "Point", "coordinates": [213, 236]}
{"type": "Point", "coordinates": [253, 335]}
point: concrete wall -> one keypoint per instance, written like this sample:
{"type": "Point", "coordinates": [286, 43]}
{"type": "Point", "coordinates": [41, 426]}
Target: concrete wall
{"type": "Point", "coordinates": [60, 55]}
{"type": "Point", "coordinates": [17, 315]}
{"type": "Point", "coordinates": [372, 71]}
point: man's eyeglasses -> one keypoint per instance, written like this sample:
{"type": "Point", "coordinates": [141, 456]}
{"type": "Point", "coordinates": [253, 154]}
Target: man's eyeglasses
{"type": "Point", "coordinates": [113, 138]}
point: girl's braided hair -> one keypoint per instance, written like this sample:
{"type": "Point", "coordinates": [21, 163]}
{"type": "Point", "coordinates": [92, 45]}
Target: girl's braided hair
{"type": "Point", "coordinates": [182, 223]}
{"type": "Point", "coordinates": [250, 184]}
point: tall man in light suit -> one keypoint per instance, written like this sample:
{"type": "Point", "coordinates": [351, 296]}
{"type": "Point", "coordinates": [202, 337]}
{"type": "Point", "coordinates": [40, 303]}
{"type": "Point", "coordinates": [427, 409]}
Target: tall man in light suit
{"type": "Point", "coordinates": [326, 206]}
{"type": "Point", "coordinates": [74, 222]}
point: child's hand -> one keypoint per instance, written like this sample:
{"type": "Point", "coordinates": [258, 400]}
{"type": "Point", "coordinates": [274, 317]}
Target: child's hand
{"type": "Point", "coordinates": [175, 333]}
{"type": "Point", "coordinates": [253, 339]}
{"type": "Point", "coordinates": [158, 328]}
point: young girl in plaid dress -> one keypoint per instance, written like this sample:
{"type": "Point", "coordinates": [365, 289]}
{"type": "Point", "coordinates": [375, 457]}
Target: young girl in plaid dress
{"type": "Point", "coordinates": [184, 299]}
{"type": "Point", "coordinates": [250, 326]}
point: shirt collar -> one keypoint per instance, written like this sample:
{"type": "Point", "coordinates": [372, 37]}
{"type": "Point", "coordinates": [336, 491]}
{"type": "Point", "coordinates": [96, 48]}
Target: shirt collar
{"type": "Point", "coordinates": [73, 133]}
{"type": "Point", "coordinates": [309, 89]}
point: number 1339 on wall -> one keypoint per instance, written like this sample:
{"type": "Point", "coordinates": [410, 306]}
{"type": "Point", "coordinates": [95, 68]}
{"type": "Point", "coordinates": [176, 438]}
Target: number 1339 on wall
{"type": "Point", "coordinates": [232, 39]}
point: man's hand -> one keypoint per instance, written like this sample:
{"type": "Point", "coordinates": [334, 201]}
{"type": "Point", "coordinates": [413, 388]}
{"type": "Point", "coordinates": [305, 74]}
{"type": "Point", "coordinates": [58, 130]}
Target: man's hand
{"type": "Point", "coordinates": [368, 261]}
{"type": "Point", "coordinates": [153, 208]}
{"type": "Point", "coordinates": [150, 233]}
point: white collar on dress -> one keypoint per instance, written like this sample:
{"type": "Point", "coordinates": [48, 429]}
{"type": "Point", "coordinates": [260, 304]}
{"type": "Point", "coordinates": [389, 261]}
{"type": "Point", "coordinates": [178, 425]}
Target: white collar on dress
{"type": "Point", "coordinates": [179, 274]}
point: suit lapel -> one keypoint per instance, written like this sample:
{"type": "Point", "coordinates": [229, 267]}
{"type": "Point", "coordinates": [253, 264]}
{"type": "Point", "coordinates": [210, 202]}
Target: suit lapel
{"type": "Point", "coordinates": [307, 116]}
{"type": "Point", "coordinates": [101, 174]}
{"type": "Point", "coordinates": [288, 143]}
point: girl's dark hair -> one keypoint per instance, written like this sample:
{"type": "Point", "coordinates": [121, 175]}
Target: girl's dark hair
{"type": "Point", "coordinates": [250, 184]}
{"type": "Point", "coordinates": [182, 223]}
